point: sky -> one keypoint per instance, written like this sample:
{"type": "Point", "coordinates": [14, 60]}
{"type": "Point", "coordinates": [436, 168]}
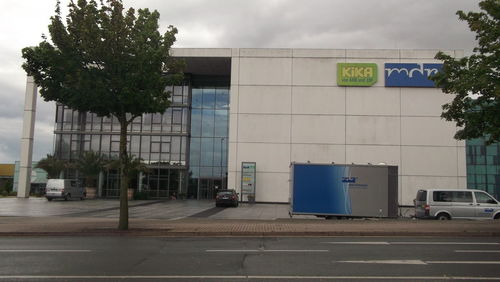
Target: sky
{"type": "Point", "coordinates": [342, 24]}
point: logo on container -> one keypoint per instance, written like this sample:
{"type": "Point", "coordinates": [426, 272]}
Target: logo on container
{"type": "Point", "coordinates": [410, 75]}
{"type": "Point", "coordinates": [349, 179]}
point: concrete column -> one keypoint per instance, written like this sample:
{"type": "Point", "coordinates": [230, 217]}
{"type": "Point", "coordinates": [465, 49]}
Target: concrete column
{"type": "Point", "coordinates": [139, 185]}
{"type": "Point", "coordinates": [23, 189]}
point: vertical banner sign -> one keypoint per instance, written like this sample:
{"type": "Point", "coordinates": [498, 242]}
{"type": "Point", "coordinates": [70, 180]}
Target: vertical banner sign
{"type": "Point", "coordinates": [356, 74]}
{"type": "Point", "coordinates": [248, 177]}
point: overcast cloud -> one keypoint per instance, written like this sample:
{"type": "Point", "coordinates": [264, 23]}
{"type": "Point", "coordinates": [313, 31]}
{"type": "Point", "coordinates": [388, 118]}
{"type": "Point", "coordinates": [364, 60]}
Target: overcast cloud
{"type": "Point", "coordinates": [354, 24]}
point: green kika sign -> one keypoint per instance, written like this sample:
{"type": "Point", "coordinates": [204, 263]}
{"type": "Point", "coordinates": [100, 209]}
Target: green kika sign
{"type": "Point", "coordinates": [356, 74]}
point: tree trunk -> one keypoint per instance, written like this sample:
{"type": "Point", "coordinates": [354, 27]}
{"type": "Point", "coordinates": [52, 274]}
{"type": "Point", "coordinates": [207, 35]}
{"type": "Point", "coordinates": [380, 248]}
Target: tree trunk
{"type": "Point", "coordinates": [123, 223]}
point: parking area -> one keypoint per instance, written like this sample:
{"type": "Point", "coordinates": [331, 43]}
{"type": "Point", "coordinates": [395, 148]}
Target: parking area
{"type": "Point", "coordinates": [151, 209]}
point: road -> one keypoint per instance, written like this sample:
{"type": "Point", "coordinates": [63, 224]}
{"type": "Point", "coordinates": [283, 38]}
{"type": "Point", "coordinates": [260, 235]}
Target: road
{"type": "Point", "coordinates": [248, 259]}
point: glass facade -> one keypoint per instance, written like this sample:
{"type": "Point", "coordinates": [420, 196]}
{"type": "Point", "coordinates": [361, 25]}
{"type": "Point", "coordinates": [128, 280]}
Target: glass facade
{"type": "Point", "coordinates": [185, 148]}
{"type": "Point", "coordinates": [483, 166]}
{"type": "Point", "coordinates": [160, 140]}
{"type": "Point", "coordinates": [209, 139]}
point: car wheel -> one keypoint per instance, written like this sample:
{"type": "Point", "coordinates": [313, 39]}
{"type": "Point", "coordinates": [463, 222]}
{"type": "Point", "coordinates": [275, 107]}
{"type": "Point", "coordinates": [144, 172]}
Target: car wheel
{"type": "Point", "coordinates": [443, 216]}
{"type": "Point", "coordinates": [49, 199]}
{"type": "Point", "coordinates": [497, 216]}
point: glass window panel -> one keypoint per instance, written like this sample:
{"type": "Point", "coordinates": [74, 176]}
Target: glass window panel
{"type": "Point", "coordinates": [157, 118]}
{"type": "Point", "coordinates": [207, 151]}
{"type": "Point", "coordinates": [105, 143]}
{"type": "Point", "coordinates": [207, 126]}
{"type": "Point", "coordinates": [208, 98]}
{"type": "Point", "coordinates": [115, 146]}
{"type": "Point", "coordinates": [155, 147]}
{"type": "Point", "coordinates": [95, 143]}
{"type": "Point", "coordinates": [175, 146]}
{"type": "Point", "coordinates": [135, 144]}
{"type": "Point", "coordinates": [194, 157]}
{"type": "Point", "coordinates": [206, 172]}
{"type": "Point", "coordinates": [165, 157]}
{"type": "Point", "coordinates": [175, 158]}
{"type": "Point", "coordinates": [155, 157]}
{"type": "Point", "coordinates": [156, 127]}
{"type": "Point", "coordinates": [221, 123]}
{"type": "Point", "coordinates": [218, 151]}
{"type": "Point", "coordinates": [196, 122]}
{"type": "Point", "coordinates": [136, 127]}
{"type": "Point", "coordinates": [196, 98]}
{"type": "Point", "coordinates": [177, 116]}
{"type": "Point", "coordinates": [145, 142]}
{"type": "Point", "coordinates": [165, 147]}
{"type": "Point", "coordinates": [194, 172]}
{"type": "Point", "coordinates": [222, 98]}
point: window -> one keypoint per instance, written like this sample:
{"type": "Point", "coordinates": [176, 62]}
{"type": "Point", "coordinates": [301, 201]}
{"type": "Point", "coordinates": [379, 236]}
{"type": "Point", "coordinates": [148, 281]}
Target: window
{"type": "Point", "coordinates": [482, 198]}
{"type": "Point", "coordinates": [452, 196]}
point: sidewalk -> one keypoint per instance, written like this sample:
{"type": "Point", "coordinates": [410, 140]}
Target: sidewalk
{"type": "Point", "coordinates": [38, 217]}
{"type": "Point", "coordinates": [85, 226]}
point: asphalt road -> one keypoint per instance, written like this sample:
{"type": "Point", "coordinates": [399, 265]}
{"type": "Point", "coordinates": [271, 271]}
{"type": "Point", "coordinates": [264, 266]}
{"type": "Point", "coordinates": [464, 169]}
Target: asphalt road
{"type": "Point", "coordinates": [248, 259]}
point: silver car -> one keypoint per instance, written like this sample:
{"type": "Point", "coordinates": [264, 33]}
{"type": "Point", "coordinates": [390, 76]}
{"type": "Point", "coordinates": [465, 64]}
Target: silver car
{"type": "Point", "coordinates": [444, 204]}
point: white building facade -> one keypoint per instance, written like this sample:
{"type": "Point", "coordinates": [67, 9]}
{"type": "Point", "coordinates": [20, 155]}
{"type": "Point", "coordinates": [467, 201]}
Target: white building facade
{"type": "Point", "coordinates": [286, 105]}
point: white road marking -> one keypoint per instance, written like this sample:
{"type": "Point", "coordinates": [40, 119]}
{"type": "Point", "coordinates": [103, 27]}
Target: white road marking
{"type": "Point", "coordinates": [413, 262]}
{"type": "Point", "coordinates": [45, 251]}
{"type": "Point", "coordinates": [463, 262]}
{"type": "Point", "coordinates": [266, 251]}
{"type": "Point", "coordinates": [417, 262]}
{"type": "Point", "coordinates": [411, 243]}
{"type": "Point", "coordinates": [477, 251]}
{"type": "Point", "coordinates": [358, 243]}
{"type": "Point", "coordinates": [443, 243]}
{"type": "Point", "coordinates": [246, 277]}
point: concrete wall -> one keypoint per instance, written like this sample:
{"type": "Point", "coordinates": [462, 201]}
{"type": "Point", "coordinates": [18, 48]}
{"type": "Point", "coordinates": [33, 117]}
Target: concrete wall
{"type": "Point", "coordinates": [286, 106]}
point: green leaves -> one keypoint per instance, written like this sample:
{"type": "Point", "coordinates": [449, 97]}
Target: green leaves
{"type": "Point", "coordinates": [475, 80]}
{"type": "Point", "coordinates": [105, 60]}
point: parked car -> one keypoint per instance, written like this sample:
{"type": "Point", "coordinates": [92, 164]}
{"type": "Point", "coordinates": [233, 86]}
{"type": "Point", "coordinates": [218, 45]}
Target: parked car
{"type": "Point", "coordinates": [226, 198]}
{"type": "Point", "coordinates": [444, 204]}
{"type": "Point", "coordinates": [64, 189]}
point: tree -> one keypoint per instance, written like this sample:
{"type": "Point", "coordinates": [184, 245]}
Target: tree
{"type": "Point", "coordinates": [90, 164]}
{"type": "Point", "coordinates": [475, 79]}
{"type": "Point", "coordinates": [107, 61]}
{"type": "Point", "coordinates": [52, 165]}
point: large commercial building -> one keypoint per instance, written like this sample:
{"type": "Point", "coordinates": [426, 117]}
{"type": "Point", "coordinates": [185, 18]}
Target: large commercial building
{"type": "Point", "coordinates": [271, 107]}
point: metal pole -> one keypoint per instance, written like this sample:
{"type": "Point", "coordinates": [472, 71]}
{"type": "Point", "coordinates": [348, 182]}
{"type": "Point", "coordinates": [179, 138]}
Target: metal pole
{"type": "Point", "coordinates": [221, 179]}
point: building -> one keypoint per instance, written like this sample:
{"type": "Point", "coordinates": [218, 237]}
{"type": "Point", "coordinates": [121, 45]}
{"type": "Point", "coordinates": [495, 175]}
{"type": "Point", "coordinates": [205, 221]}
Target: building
{"type": "Point", "coordinates": [6, 175]}
{"type": "Point", "coordinates": [38, 179]}
{"type": "Point", "coordinates": [272, 107]}
{"type": "Point", "coordinates": [483, 166]}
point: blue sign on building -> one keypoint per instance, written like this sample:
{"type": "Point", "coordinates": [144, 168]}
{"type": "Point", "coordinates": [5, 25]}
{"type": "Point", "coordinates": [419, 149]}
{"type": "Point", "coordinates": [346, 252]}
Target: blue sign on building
{"type": "Point", "coordinates": [410, 75]}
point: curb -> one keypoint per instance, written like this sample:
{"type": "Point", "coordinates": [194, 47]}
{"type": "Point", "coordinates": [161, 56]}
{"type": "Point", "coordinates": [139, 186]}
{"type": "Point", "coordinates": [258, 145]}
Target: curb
{"type": "Point", "coordinates": [177, 234]}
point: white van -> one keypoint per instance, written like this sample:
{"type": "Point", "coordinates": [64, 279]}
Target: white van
{"type": "Point", "coordinates": [444, 204]}
{"type": "Point", "coordinates": [64, 189]}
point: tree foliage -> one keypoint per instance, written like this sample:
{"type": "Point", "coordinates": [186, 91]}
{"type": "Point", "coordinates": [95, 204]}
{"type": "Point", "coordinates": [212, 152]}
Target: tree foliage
{"type": "Point", "coordinates": [52, 165]}
{"type": "Point", "coordinates": [109, 61]}
{"type": "Point", "coordinates": [90, 164]}
{"type": "Point", "coordinates": [475, 79]}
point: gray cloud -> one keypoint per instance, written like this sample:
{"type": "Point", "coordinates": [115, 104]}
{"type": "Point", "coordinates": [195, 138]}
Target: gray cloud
{"type": "Point", "coordinates": [424, 24]}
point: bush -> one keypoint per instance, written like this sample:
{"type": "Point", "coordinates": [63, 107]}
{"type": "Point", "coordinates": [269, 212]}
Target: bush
{"type": "Point", "coordinates": [13, 194]}
{"type": "Point", "coordinates": [4, 193]}
{"type": "Point", "coordinates": [142, 195]}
